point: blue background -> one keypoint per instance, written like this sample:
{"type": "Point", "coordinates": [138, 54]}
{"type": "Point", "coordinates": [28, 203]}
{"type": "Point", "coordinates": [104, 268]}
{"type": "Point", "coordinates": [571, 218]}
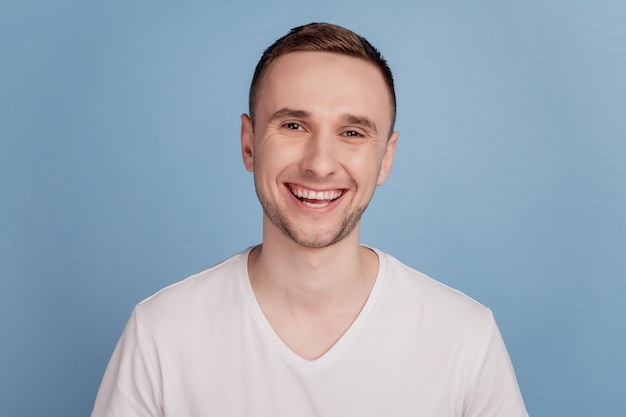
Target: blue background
{"type": "Point", "coordinates": [120, 173]}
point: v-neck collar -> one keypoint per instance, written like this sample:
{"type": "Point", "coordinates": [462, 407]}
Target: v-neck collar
{"type": "Point", "coordinates": [270, 335]}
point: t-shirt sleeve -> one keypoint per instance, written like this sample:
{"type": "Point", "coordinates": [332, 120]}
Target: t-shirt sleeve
{"type": "Point", "coordinates": [494, 391]}
{"type": "Point", "coordinates": [131, 385]}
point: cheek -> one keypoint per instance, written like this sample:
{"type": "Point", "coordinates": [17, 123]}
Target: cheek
{"type": "Point", "coordinates": [364, 168]}
{"type": "Point", "coordinates": [364, 172]}
{"type": "Point", "coordinates": [272, 158]}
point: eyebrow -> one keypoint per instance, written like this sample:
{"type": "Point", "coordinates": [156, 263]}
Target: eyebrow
{"type": "Point", "coordinates": [286, 112]}
{"type": "Point", "coordinates": [361, 121]}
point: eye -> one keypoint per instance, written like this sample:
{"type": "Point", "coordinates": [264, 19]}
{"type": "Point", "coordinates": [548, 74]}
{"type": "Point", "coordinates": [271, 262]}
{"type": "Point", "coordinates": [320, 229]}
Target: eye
{"type": "Point", "coordinates": [293, 126]}
{"type": "Point", "coordinates": [352, 134]}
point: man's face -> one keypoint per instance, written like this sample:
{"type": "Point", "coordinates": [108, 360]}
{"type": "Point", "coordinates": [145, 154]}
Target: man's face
{"type": "Point", "coordinates": [320, 144]}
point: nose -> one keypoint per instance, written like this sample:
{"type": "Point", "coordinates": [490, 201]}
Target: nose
{"type": "Point", "coordinates": [320, 155]}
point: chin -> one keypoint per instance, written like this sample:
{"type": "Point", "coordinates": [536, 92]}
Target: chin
{"type": "Point", "coordinates": [320, 239]}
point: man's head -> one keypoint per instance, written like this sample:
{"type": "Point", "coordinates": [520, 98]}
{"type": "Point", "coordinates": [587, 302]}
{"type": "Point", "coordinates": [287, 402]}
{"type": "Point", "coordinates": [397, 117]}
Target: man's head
{"type": "Point", "coordinates": [322, 138]}
{"type": "Point", "coordinates": [321, 37]}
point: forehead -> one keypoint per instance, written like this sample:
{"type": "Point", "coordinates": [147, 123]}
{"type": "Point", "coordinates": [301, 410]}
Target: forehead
{"type": "Point", "coordinates": [324, 81]}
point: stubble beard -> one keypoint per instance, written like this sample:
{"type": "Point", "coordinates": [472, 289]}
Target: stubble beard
{"type": "Point", "coordinates": [317, 240]}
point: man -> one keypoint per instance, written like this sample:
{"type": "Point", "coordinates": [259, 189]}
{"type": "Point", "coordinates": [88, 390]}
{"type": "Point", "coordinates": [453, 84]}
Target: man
{"type": "Point", "coordinates": [310, 323]}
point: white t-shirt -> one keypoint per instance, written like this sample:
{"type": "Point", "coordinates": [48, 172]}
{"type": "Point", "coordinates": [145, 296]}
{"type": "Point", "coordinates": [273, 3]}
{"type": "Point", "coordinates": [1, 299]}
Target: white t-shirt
{"type": "Point", "coordinates": [202, 348]}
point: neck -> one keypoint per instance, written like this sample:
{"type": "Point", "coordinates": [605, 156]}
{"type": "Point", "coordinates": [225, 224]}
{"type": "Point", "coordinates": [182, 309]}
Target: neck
{"type": "Point", "coordinates": [311, 278]}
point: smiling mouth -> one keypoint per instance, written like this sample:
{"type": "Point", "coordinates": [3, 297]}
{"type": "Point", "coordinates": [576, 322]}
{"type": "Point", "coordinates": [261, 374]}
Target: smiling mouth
{"type": "Point", "coordinates": [314, 199]}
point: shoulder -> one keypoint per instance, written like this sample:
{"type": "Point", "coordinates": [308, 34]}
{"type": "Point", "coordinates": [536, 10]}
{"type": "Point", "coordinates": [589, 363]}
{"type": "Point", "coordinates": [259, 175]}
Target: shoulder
{"type": "Point", "coordinates": [417, 293]}
{"type": "Point", "coordinates": [196, 296]}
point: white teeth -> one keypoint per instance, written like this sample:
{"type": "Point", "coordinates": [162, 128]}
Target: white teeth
{"type": "Point", "coordinates": [316, 195]}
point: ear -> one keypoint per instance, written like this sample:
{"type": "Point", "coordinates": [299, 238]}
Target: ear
{"type": "Point", "coordinates": [247, 142]}
{"type": "Point", "coordinates": [390, 151]}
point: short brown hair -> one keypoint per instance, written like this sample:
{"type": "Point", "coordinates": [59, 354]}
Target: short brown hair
{"type": "Point", "coordinates": [322, 37]}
